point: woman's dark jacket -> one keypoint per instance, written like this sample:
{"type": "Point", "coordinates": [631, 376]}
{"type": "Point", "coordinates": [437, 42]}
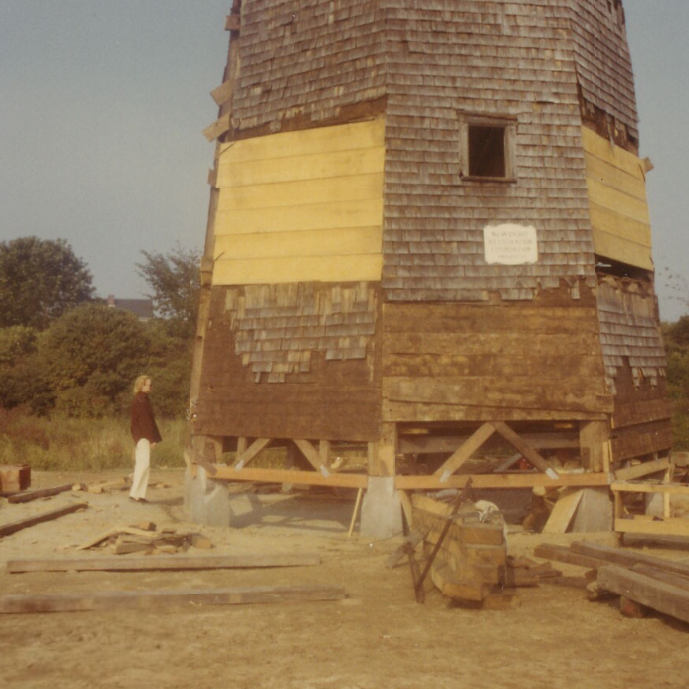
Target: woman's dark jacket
{"type": "Point", "coordinates": [143, 424]}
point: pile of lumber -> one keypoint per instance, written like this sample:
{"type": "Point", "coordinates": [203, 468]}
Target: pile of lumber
{"type": "Point", "coordinates": [467, 550]}
{"type": "Point", "coordinates": [145, 538]}
{"type": "Point", "coordinates": [641, 581]}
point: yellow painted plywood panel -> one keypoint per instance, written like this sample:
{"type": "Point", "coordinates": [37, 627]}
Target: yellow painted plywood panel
{"type": "Point", "coordinates": [298, 269]}
{"type": "Point", "coordinates": [601, 148]}
{"type": "Point", "coordinates": [302, 192]}
{"type": "Point", "coordinates": [625, 228]}
{"type": "Point", "coordinates": [294, 218]}
{"type": "Point", "coordinates": [613, 247]}
{"type": "Point", "coordinates": [606, 173]}
{"type": "Point", "coordinates": [340, 242]}
{"type": "Point", "coordinates": [301, 167]}
{"type": "Point", "coordinates": [346, 137]}
{"type": "Point", "coordinates": [619, 202]}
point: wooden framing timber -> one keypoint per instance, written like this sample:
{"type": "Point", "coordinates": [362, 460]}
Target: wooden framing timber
{"type": "Point", "coordinates": [524, 479]}
{"type": "Point", "coordinates": [164, 562]}
{"type": "Point", "coordinates": [646, 590]}
{"type": "Point", "coordinates": [148, 600]}
{"type": "Point", "coordinates": [646, 524]}
{"type": "Point", "coordinates": [313, 478]}
{"type": "Point", "coordinates": [30, 495]}
{"type": "Point", "coordinates": [628, 558]}
{"type": "Point", "coordinates": [7, 529]}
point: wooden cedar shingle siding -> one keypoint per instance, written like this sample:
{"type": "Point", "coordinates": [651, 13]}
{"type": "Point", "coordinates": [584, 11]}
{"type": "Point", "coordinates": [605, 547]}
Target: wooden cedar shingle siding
{"type": "Point", "coordinates": [494, 58]}
{"type": "Point", "coordinates": [308, 336]}
{"type": "Point", "coordinates": [510, 361]}
{"type": "Point", "coordinates": [602, 58]}
{"type": "Point", "coordinates": [305, 61]}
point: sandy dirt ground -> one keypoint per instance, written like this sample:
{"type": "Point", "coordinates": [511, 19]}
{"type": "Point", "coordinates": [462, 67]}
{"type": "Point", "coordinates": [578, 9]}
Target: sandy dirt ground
{"type": "Point", "coordinates": [378, 636]}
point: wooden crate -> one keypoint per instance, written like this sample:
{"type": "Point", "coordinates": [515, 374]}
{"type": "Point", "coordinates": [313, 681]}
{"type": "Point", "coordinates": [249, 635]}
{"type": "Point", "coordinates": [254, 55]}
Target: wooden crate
{"type": "Point", "coordinates": [14, 478]}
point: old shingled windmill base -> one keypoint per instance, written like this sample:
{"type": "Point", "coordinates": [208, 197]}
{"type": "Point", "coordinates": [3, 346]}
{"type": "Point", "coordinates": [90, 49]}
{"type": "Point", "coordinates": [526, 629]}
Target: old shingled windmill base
{"type": "Point", "coordinates": [428, 242]}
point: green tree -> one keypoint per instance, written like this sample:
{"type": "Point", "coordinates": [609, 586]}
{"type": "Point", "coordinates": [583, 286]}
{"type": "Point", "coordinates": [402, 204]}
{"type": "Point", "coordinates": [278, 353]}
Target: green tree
{"type": "Point", "coordinates": [40, 279]}
{"type": "Point", "coordinates": [90, 357]}
{"type": "Point", "coordinates": [175, 281]}
{"type": "Point", "coordinates": [20, 384]}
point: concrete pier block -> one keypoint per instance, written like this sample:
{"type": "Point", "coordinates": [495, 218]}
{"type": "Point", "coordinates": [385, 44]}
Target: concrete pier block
{"type": "Point", "coordinates": [381, 512]}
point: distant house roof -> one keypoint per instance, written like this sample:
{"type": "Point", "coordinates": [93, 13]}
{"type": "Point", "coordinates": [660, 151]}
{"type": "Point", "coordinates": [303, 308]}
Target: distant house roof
{"type": "Point", "coordinates": [141, 308]}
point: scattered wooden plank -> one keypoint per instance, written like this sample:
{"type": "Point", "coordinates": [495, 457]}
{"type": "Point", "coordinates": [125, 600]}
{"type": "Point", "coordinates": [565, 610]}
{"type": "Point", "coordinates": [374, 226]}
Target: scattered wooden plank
{"type": "Point", "coordinates": [8, 529]}
{"type": "Point", "coordinates": [563, 513]}
{"type": "Point", "coordinates": [626, 558]}
{"type": "Point", "coordinates": [562, 553]}
{"type": "Point", "coordinates": [146, 600]}
{"type": "Point", "coordinates": [132, 531]}
{"type": "Point", "coordinates": [643, 589]}
{"type": "Point", "coordinates": [177, 563]}
{"type": "Point", "coordinates": [117, 484]}
{"type": "Point", "coordinates": [30, 495]}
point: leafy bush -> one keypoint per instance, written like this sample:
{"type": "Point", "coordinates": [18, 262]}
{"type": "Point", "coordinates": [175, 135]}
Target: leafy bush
{"type": "Point", "coordinates": [676, 337]}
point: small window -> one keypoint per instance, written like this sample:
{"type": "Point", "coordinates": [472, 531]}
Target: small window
{"type": "Point", "coordinates": [487, 148]}
{"type": "Point", "coordinates": [486, 151]}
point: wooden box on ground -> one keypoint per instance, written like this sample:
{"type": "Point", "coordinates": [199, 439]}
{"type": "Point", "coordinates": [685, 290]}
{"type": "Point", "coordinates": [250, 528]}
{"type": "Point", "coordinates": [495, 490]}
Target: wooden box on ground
{"type": "Point", "coordinates": [14, 478]}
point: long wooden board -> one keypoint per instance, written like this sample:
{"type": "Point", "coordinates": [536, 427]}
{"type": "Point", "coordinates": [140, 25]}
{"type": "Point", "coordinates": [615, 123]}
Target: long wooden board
{"type": "Point", "coordinates": [524, 479]}
{"type": "Point", "coordinates": [627, 558]}
{"type": "Point", "coordinates": [147, 600]}
{"type": "Point", "coordinates": [30, 495]}
{"type": "Point", "coordinates": [643, 589]}
{"type": "Point", "coordinates": [313, 478]}
{"type": "Point", "coordinates": [7, 529]}
{"type": "Point", "coordinates": [164, 562]}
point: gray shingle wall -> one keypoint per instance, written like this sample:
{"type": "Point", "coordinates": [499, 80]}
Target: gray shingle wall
{"type": "Point", "coordinates": [308, 59]}
{"type": "Point", "coordinates": [498, 58]}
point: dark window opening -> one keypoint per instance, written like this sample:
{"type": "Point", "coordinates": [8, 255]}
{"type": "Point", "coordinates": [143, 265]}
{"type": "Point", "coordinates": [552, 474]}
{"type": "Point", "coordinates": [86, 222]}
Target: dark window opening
{"type": "Point", "coordinates": [487, 151]}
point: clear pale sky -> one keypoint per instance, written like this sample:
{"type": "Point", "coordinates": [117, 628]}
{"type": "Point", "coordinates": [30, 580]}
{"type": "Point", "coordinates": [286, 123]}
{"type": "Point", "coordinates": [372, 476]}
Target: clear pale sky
{"type": "Point", "coordinates": [102, 105]}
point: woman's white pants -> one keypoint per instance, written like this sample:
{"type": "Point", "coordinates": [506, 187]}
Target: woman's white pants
{"type": "Point", "coordinates": [142, 467]}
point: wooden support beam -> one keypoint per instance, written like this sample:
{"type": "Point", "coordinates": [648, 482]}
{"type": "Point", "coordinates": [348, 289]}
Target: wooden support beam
{"type": "Point", "coordinates": [8, 529]}
{"type": "Point", "coordinates": [313, 478]}
{"type": "Point", "coordinates": [250, 452]}
{"type": "Point", "coordinates": [642, 469]}
{"type": "Point", "coordinates": [660, 596]}
{"type": "Point", "coordinates": [164, 562]}
{"type": "Point", "coordinates": [593, 439]}
{"type": "Point", "coordinates": [383, 454]}
{"type": "Point", "coordinates": [324, 448]}
{"type": "Point", "coordinates": [146, 600]}
{"type": "Point", "coordinates": [523, 479]}
{"type": "Point", "coordinates": [520, 445]}
{"type": "Point", "coordinates": [465, 452]}
{"type": "Point", "coordinates": [312, 455]}
{"type": "Point", "coordinates": [30, 495]}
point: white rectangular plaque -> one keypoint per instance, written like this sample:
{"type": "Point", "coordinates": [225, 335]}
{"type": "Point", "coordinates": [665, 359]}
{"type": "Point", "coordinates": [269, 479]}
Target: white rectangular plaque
{"type": "Point", "coordinates": [510, 245]}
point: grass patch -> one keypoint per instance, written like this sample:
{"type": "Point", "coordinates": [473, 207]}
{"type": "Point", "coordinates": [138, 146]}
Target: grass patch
{"type": "Point", "coordinates": [64, 444]}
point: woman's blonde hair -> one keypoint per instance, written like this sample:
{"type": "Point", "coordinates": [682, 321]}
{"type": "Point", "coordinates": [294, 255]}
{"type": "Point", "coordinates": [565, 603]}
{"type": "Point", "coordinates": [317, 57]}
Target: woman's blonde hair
{"type": "Point", "coordinates": [139, 383]}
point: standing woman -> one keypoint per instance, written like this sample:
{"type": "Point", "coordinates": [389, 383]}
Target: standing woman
{"type": "Point", "coordinates": [146, 435]}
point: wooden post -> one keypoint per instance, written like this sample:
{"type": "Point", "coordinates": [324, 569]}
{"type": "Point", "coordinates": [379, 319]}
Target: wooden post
{"type": "Point", "coordinates": [593, 440]}
{"type": "Point", "coordinates": [383, 453]}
